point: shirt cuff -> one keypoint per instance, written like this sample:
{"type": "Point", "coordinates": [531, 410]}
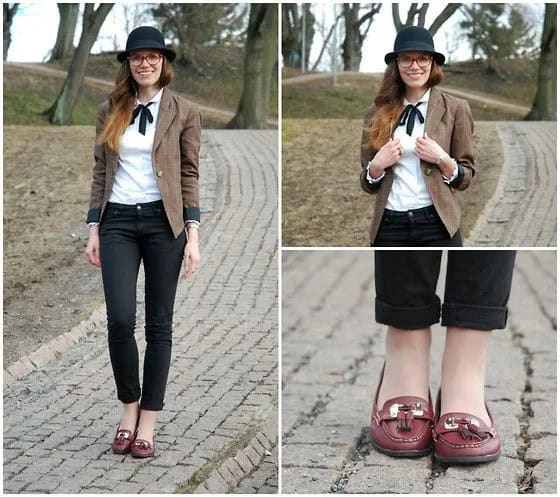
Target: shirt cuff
{"type": "Point", "coordinates": [371, 180]}
{"type": "Point", "coordinates": [454, 175]}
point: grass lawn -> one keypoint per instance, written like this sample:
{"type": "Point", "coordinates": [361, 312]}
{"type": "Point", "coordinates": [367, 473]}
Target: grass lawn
{"type": "Point", "coordinates": [322, 202]}
{"type": "Point", "coordinates": [218, 84]}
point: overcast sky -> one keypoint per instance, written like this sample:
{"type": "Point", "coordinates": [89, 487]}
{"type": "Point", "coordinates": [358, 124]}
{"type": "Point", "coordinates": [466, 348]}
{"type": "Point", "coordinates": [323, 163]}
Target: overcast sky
{"type": "Point", "coordinates": [35, 25]}
{"type": "Point", "coordinates": [381, 35]}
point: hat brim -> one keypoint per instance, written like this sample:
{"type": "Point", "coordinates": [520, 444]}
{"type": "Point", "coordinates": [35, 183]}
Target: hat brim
{"type": "Point", "coordinates": [438, 57]}
{"type": "Point", "coordinates": [169, 54]}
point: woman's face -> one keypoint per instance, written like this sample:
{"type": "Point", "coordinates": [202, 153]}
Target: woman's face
{"type": "Point", "coordinates": [414, 68]}
{"type": "Point", "coordinates": [145, 66]}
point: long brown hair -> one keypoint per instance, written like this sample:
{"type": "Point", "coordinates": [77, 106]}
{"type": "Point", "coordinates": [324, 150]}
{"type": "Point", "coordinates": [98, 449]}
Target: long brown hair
{"type": "Point", "coordinates": [121, 103]}
{"type": "Point", "coordinates": [389, 103]}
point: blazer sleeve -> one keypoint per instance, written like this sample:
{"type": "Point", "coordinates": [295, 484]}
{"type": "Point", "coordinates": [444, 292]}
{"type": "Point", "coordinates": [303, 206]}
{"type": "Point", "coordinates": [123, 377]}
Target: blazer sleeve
{"type": "Point", "coordinates": [190, 149]}
{"type": "Point", "coordinates": [367, 154]}
{"type": "Point", "coordinates": [462, 145]}
{"type": "Point", "coordinates": [99, 171]}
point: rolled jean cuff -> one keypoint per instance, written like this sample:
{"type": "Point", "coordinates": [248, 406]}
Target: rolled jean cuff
{"type": "Point", "coordinates": [408, 318]}
{"type": "Point", "coordinates": [477, 317]}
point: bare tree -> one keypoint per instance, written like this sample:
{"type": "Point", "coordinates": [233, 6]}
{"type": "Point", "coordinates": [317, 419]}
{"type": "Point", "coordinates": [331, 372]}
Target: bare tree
{"type": "Point", "coordinates": [61, 111]}
{"type": "Point", "coordinates": [292, 33]}
{"type": "Point", "coordinates": [136, 14]}
{"type": "Point", "coordinates": [64, 45]}
{"type": "Point", "coordinates": [544, 106]}
{"type": "Point", "coordinates": [326, 41]}
{"type": "Point", "coordinates": [260, 59]}
{"type": "Point", "coordinates": [416, 15]}
{"type": "Point", "coordinates": [356, 29]}
{"type": "Point", "coordinates": [9, 14]}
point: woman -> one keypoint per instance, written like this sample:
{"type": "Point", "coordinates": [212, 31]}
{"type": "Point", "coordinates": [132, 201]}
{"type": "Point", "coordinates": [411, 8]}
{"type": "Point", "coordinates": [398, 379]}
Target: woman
{"type": "Point", "coordinates": [144, 196]}
{"type": "Point", "coordinates": [404, 424]}
{"type": "Point", "coordinates": [416, 148]}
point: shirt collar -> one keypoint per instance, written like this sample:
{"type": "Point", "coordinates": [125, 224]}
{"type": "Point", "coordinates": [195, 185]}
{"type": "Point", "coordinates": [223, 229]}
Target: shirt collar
{"type": "Point", "coordinates": [424, 100]}
{"type": "Point", "coordinates": [155, 99]}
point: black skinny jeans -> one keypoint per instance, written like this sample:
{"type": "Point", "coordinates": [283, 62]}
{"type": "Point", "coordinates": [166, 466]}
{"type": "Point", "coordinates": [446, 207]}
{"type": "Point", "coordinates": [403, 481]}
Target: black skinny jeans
{"type": "Point", "coordinates": [477, 288]}
{"type": "Point", "coordinates": [130, 234]}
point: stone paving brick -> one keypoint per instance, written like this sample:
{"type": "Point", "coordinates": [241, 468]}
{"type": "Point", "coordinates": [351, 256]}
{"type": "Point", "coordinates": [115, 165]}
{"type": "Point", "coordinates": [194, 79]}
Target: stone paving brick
{"type": "Point", "coordinates": [225, 348]}
{"type": "Point", "coordinates": [333, 352]}
{"type": "Point", "coordinates": [522, 211]}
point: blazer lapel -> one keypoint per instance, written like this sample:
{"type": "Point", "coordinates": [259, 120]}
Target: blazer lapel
{"type": "Point", "coordinates": [431, 175]}
{"type": "Point", "coordinates": [165, 117]}
{"type": "Point", "coordinates": [436, 110]}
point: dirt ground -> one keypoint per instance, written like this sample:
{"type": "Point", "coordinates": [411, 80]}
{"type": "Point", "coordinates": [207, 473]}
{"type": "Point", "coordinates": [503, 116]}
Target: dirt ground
{"type": "Point", "coordinates": [322, 201]}
{"type": "Point", "coordinates": [49, 286]}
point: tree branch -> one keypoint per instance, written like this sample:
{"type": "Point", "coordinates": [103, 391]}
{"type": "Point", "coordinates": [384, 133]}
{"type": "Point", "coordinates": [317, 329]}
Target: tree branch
{"type": "Point", "coordinates": [445, 14]}
{"type": "Point", "coordinates": [396, 16]}
{"type": "Point", "coordinates": [375, 8]}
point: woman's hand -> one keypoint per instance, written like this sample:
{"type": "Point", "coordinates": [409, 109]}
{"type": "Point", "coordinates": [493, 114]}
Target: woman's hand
{"type": "Point", "coordinates": [191, 258]}
{"type": "Point", "coordinates": [386, 156]}
{"type": "Point", "coordinates": [92, 248]}
{"type": "Point", "coordinates": [429, 150]}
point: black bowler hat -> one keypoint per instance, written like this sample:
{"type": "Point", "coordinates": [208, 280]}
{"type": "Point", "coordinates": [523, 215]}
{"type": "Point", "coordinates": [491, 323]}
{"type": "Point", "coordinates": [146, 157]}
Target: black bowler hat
{"type": "Point", "coordinates": [145, 37]}
{"type": "Point", "coordinates": [414, 39]}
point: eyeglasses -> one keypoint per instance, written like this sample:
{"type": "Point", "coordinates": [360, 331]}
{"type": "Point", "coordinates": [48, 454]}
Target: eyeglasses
{"type": "Point", "coordinates": [153, 59]}
{"type": "Point", "coordinates": [406, 61]}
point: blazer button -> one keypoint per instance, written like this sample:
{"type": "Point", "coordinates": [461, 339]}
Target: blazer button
{"type": "Point", "coordinates": [159, 174]}
{"type": "Point", "coordinates": [428, 172]}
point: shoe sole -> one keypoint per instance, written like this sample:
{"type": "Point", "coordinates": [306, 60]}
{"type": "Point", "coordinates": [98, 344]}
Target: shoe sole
{"type": "Point", "coordinates": [402, 453]}
{"type": "Point", "coordinates": [120, 452]}
{"type": "Point", "coordinates": [143, 456]}
{"type": "Point", "coordinates": [465, 460]}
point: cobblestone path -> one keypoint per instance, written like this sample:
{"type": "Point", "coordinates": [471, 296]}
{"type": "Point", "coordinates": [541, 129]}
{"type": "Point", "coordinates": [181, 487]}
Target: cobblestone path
{"type": "Point", "coordinates": [221, 400]}
{"type": "Point", "coordinates": [522, 211]}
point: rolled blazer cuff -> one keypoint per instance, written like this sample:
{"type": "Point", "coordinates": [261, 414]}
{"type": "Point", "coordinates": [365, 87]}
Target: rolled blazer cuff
{"type": "Point", "coordinates": [191, 214]}
{"type": "Point", "coordinates": [93, 215]}
{"type": "Point", "coordinates": [460, 176]}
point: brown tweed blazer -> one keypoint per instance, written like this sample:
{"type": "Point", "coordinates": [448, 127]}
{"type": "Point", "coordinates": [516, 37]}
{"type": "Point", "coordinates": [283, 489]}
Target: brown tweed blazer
{"type": "Point", "coordinates": [449, 122]}
{"type": "Point", "coordinates": [174, 160]}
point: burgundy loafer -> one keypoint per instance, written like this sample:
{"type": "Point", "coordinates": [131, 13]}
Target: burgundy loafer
{"type": "Point", "coordinates": [403, 426]}
{"type": "Point", "coordinates": [462, 438]}
{"type": "Point", "coordinates": [142, 448]}
{"type": "Point", "coordinates": [122, 441]}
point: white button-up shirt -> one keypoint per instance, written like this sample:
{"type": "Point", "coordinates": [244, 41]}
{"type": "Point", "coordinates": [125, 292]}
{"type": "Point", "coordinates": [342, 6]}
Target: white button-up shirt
{"type": "Point", "coordinates": [409, 189]}
{"type": "Point", "coordinates": [135, 182]}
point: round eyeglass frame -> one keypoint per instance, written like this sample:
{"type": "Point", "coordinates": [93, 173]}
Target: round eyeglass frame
{"type": "Point", "coordinates": [415, 59]}
{"type": "Point", "coordinates": [158, 57]}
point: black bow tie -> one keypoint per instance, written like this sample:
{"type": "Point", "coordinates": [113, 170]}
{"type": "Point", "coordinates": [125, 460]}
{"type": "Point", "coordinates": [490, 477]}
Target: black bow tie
{"type": "Point", "coordinates": [408, 116]}
{"type": "Point", "coordinates": [144, 114]}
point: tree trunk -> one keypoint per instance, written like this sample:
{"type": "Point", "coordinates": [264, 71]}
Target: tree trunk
{"type": "Point", "coordinates": [352, 45]}
{"type": "Point", "coordinates": [291, 34]}
{"type": "Point", "coordinates": [260, 57]}
{"type": "Point", "coordinates": [544, 106]}
{"type": "Point", "coordinates": [309, 32]}
{"type": "Point", "coordinates": [9, 13]}
{"type": "Point", "coordinates": [64, 45]}
{"type": "Point", "coordinates": [354, 36]}
{"type": "Point", "coordinates": [61, 110]}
